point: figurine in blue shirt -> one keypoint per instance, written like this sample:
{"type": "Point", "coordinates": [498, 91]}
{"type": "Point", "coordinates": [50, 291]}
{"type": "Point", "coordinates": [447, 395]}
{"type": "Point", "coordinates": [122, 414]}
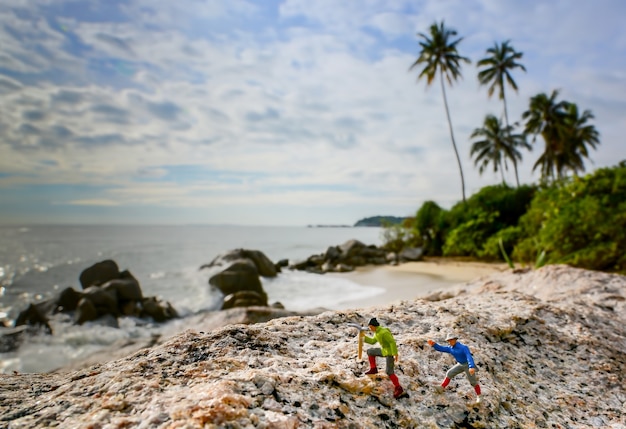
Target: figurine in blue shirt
{"type": "Point", "coordinates": [464, 359]}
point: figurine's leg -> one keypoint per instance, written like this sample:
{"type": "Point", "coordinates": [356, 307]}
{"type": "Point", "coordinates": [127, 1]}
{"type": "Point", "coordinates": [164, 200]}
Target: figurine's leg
{"type": "Point", "coordinates": [474, 382]}
{"type": "Point", "coordinates": [453, 372]}
{"type": "Point", "coordinates": [390, 369]}
{"type": "Point", "coordinates": [371, 354]}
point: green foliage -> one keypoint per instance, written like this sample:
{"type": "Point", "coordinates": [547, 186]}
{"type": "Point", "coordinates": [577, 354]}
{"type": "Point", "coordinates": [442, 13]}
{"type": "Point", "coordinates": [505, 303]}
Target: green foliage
{"type": "Point", "coordinates": [505, 255]}
{"type": "Point", "coordinates": [467, 239]}
{"type": "Point", "coordinates": [397, 237]}
{"type": "Point", "coordinates": [470, 225]}
{"type": "Point", "coordinates": [579, 221]}
{"type": "Point", "coordinates": [500, 245]}
{"type": "Point", "coordinates": [382, 221]}
{"type": "Point", "coordinates": [429, 223]}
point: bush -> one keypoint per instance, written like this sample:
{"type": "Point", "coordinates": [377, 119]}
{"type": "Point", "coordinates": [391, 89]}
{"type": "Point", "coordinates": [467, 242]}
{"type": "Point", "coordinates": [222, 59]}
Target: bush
{"type": "Point", "coordinates": [491, 249]}
{"type": "Point", "coordinates": [580, 221]}
{"type": "Point", "coordinates": [470, 225]}
{"type": "Point", "coordinates": [429, 224]}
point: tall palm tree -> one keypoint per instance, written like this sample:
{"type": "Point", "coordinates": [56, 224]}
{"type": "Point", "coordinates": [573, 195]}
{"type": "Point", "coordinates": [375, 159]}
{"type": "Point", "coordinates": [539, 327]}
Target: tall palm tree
{"type": "Point", "coordinates": [497, 145]}
{"type": "Point", "coordinates": [439, 55]}
{"type": "Point", "coordinates": [497, 69]}
{"type": "Point", "coordinates": [566, 134]}
{"type": "Point", "coordinates": [577, 134]}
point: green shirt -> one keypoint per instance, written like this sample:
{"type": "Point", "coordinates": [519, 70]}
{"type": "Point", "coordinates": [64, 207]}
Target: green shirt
{"type": "Point", "coordinates": [383, 337]}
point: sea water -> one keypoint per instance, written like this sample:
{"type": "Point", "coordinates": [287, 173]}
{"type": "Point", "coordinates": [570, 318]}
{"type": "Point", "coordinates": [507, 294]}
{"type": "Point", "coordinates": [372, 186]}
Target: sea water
{"type": "Point", "coordinates": [37, 262]}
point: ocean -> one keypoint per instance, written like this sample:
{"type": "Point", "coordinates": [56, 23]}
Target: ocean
{"type": "Point", "coordinates": [37, 262]}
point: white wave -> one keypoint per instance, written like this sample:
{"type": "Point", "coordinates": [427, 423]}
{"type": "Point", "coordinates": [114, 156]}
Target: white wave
{"type": "Point", "coordinates": [299, 291]}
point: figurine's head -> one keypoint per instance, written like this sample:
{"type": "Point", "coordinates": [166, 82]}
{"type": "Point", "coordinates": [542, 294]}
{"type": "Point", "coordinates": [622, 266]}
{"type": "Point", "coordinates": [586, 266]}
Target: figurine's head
{"type": "Point", "coordinates": [373, 324]}
{"type": "Point", "coordinates": [451, 338]}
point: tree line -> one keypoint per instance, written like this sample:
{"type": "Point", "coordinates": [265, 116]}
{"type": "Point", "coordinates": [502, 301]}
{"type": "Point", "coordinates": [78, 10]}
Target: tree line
{"type": "Point", "coordinates": [566, 131]}
{"type": "Point", "coordinates": [577, 220]}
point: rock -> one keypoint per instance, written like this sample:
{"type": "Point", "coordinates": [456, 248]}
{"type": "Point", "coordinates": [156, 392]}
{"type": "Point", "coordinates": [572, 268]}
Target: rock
{"type": "Point", "coordinates": [99, 273]}
{"type": "Point", "coordinates": [246, 298]}
{"type": "Point", "coordinates": [158, 310]}
{"type": "Point", "coordinates": [85, 312]}
{"type": "Point", "coordinates": [239, 276]}
{"type": "Point", "coordinates": [126, 289]}
{"type": "Point", "coordinates": [34, 315]}
{"type": "Point", "coordinates": [11, 337]}
{"type": "Point", "coordinates": [264, 266]}
{"type": "Point", "coordinates": [68, 300]}
{"type": "Point", "coordinates": [411, 254]}
{"type": "Point", "coordinates": [549, 345]}
{"type": "Point", "coordinates": [347, 256]}
{"type": "Point", "coordinates": [104, 300]}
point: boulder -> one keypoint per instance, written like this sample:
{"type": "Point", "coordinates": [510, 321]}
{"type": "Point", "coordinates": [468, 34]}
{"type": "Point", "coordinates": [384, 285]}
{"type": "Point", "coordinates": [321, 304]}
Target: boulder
{"type": "Point", "coordinates": [411, 254]}
{"type": "Point", "coordinates": [239, 276]}
{"type": "Point", "coordinates": [126, 289]}
{"type": "Point", "coordinates": [105, 300]}
{"type": "Point", "coordinates": [85, 312]}
{"type": "Point", "coordinates": [11, 337]}
{"type": "Point", "coordinates": [246, 298]}
{"type": "Point", "coordinates": [67, 300]}
{"type": "Point", "coordinates": [34, 316]}
{"type": "Point", "coordinates": [159, 311]}
{"type": "Point", "coordinates": [265, 267]}
{"type": "Point", "coordinates": [99, 273]}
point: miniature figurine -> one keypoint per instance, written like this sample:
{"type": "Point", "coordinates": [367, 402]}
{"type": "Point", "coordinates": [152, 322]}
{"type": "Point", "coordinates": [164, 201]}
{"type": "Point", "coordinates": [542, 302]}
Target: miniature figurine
{"type": "Point", "coordinates": [465, 362]}
{"type": "Point", "coordinates": [387, 349]}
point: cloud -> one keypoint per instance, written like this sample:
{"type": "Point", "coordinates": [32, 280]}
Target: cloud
{"type": "Point", "coordinates": [204, 104]}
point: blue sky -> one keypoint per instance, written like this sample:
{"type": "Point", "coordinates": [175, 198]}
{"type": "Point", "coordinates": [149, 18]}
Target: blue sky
{"type": "Point", "coordinates": [274, 112]}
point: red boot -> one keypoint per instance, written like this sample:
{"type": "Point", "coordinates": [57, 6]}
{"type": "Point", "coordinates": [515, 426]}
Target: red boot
{"type": "Point", "coordinates": [373, 369]}
{"type": "Point", "coordinates": [398, 391]}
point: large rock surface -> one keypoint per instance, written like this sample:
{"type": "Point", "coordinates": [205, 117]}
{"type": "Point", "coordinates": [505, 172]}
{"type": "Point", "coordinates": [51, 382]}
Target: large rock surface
{"type": "Point", "coordinates": [550, 346]}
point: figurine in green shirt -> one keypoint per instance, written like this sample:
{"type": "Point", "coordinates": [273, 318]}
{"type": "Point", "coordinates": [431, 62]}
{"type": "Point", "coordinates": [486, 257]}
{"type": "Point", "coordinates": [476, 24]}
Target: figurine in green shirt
{"type": "Point", "coordinates": [387, 349]}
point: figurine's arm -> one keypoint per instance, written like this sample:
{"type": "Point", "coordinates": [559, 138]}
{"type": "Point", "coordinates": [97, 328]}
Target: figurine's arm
{"type": "Point", "coordinates": [437, 347]}
{"type": "Point", "coordinates": [370, 340]}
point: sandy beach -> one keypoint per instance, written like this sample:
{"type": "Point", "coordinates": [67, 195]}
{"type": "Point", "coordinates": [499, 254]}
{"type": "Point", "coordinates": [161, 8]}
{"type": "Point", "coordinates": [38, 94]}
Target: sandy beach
{"type": "Point", "coordinates": [412, 280]}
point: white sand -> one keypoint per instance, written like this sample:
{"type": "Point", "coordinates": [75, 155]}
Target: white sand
{"type": "Point", "coordinates": [413, 280]}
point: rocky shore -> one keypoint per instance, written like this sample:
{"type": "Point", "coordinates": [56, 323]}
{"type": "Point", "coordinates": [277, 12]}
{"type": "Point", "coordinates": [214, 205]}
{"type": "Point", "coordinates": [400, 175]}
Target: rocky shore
{"type": "Point", "coordinates": [550, 346]}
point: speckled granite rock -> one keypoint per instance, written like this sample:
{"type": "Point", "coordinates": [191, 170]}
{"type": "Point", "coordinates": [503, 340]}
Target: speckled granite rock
{"type": "Point", "coordinates": [550, 346]}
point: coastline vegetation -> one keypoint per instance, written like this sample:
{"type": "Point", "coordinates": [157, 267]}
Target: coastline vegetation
{"type": "Point", "coordinates": [579, 221]}
{"type": "Point", "coordinates": [564, 219]}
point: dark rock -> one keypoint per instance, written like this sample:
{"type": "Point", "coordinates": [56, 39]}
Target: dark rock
{"type": "Point", "coordinates": [33, 316]}
{"type": "Point", "coordinates": [68, 300]}
{"type": "Point", "coordinates": [264, 266]}
{"type": "Point", "coordinates": [99, 273]}
{"type": "Point", "coordinates": [240, 275]}
{"type": "Point", "coordinates": [158, 310]}
{"type": "Point", "coordinates": [85, 312]}
{"type": "Point", "coordinates": [10, 338]}
{"type": "Point", "coordinates": [246, 298]}
{"type": "Point", "coordinates": [105, 301]}
{"type": "Point", "coordinates": [126, 289]}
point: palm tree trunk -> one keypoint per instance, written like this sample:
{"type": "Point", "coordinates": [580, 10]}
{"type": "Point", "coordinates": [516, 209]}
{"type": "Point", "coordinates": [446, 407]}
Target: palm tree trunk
{"type": "Point", "coordinates": [506, 118]}
{"type": "Point", "coordinates": [456, 152]}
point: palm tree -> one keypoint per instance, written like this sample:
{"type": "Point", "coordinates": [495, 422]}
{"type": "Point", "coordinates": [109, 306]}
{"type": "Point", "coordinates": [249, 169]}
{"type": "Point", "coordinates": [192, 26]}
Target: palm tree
{"type": "Point", "coordinates": [544, 117]}
{"type": "Point", "coordinates": [565, 133]}
{"type": "Point", "coordinates": [439, 55]}
{"type": "Point", "coordinates": [498, 145]}
{"type": "Point", "coordinates": [503, 58]}
{"type": "Point", "coordinates": [577, 134]}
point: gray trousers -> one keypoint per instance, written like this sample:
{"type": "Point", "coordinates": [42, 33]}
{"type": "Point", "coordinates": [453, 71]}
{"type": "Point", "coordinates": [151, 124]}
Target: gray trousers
{"type": "Point", "coordinates": [459, 368]}
{"type": "Point", "coordinates": [376, 351]}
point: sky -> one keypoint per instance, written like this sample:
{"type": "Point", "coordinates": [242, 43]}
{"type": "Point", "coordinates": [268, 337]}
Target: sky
{"type": "Point", "coordinates": [291, 112]}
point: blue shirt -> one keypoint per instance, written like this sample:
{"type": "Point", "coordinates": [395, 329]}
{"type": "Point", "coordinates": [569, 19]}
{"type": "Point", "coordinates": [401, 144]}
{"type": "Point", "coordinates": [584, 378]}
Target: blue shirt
{"type": "Point", "coordinates": [460, 352]}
